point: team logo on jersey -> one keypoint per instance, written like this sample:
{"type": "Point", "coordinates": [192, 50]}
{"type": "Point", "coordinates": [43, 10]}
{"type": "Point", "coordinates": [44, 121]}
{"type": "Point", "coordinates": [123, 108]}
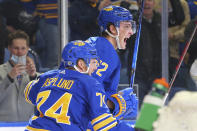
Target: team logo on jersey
{"type": "Point", "coordinates": [63, 72]}
{"type": "Point", "coordinates": [110, 8]}
{"type": "Point", "coordinates": [69, 63]}
{"type": "Point", "coordinates": [79, 43]}
{"type": "Point", "coordinates": [91, 41]}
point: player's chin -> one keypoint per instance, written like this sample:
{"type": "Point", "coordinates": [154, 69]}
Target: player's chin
{"type": "Point", "coordinates": [123, 45]}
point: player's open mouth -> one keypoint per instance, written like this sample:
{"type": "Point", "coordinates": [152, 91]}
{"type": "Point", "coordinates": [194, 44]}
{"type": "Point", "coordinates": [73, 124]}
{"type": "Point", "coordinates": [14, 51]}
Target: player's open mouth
{"type": "Point", "coordinates": [125, 40]}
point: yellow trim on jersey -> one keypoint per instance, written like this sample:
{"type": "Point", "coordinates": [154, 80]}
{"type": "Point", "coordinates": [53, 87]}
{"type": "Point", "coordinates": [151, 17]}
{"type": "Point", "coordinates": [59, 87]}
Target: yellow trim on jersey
{"type": "Point", "coordinates": [35, 129]}
{"type": "Point", "coordinates": [100, 117]}
{"type": "Point", "coordinates": [109, 127]}
{"type": "Point", "coordinates": [195, 2]}
{"type": "Point", "coordinates": [104, 123]}
{"type": "Point", "coordinates": [34, 118]}
{"type": "Point", "coordinates": [27, 90]}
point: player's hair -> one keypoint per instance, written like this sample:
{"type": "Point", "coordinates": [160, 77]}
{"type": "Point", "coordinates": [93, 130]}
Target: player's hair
{"type": "Point", "coordinates": [104, 33]}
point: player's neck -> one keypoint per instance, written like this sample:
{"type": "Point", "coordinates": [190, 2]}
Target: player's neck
{"type": "Point", "coordinates": [112, 41]}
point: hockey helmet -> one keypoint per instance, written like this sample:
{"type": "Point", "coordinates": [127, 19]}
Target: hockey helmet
{"type": "Point", "coordinates": [115, 14]}
{"type": "Point", "coordinates": [75, 50]}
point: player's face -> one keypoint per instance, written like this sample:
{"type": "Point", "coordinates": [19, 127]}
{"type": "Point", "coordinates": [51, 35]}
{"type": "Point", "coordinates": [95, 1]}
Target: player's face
{"type": "Point", "coordinates": [125, 32]}
{"type": "Point", "coordinates": [92, 66]}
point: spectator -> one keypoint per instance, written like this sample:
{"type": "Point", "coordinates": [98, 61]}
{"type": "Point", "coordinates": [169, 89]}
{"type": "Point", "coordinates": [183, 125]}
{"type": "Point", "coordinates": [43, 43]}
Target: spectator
{"type": "Point", "coordinates": [176, 12]}
{"type": "Point", "coordinates": [46, 11]}
{"type": "Point", "coordinates": [3, 36]}
{"type": "Point", "coordinates": [68, 99]}
{"type": "Point", "coordinates": [11, 16]}
{"type": "Point", "coordinates": [176, 42]}
{"type": "Point", "coordinates": [148, 65]}
{"type": "Point", "coordinates": [11, 23]}
{"type": "Point", "coordinates": [17, 18]}
{"type": "Point", "coordinates": [13, 20]}
{"type": "Point", "coordinates": [14, 76]}
{"type": "Point", "coordinates": [104, 3]}
{"type": "Point", "coordinates": [193, 46]}
{"type": "Point", "coordinates": [192, 55]}
{"type": "Point", "coordinates": [82, 16]}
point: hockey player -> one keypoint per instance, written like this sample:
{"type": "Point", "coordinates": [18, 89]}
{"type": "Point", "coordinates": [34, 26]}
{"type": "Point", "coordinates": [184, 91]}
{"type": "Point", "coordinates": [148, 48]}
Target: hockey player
{"type": "Point", "coordinates": [117, 25]}
{"type": "Point", "coordinates": [68, 98]}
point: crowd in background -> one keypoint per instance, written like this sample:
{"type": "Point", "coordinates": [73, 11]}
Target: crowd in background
{"type": "Point", "coordinates": [39, 20]}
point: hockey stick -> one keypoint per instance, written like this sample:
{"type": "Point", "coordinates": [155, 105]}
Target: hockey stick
{"type": "Point", "coordinates": [180, 61]}
{"type": "Point", "coordinates": [134, 61]}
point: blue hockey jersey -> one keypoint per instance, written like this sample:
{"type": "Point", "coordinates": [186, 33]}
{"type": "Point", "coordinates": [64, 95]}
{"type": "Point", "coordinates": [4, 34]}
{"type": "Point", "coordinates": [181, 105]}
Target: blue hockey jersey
{"type": "Point", "coordinates": [68, 100]}
{"type": "Point", "coordinates": [108, 73]}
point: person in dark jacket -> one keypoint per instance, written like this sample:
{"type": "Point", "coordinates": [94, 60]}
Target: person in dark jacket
{"type": "Point", "coordinates": [149, 56]}
{"type": "Point", "coordinates": [82, 17]}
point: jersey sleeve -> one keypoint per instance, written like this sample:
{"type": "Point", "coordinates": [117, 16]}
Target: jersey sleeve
{"type": "Point", "coordinates": [100, 116]}
{"type": "Point", "coordinates": [31, 90]}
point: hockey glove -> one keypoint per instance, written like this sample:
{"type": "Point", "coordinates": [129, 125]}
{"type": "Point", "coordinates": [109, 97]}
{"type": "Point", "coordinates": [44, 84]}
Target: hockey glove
{"type": "Point", "coordinates": [131, 103]}
{"type": "Point", "coordinates": [125, 104]}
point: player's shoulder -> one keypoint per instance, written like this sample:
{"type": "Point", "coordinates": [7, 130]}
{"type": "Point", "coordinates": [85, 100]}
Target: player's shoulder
{"type": "Point", "coordinates": [96, 39]}
{"type": "Point", "coordinates": [89, 81]}
{"type": "Point", "coordinates": [49, 73]}
{"type": "Point", "coordinates": [87, 78]}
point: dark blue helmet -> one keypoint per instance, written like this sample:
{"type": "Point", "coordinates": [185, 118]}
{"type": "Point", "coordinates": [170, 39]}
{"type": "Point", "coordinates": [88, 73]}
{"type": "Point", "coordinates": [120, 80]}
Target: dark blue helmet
{"type": "Point", "coordinates": [114, 14]}
{"type": "Point", "coordinates": [75, 50]}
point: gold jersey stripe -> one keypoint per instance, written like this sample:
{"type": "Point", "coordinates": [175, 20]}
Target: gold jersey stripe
{"type": "Point", "coordinates": [110, 126]}
{"type": "Point", "coordinates": [100, 117]}
{"type": "Point", "coordinates": [104, 123]}
{"type": "Point", "coordinates": [27, 90]}
{"type": "Point", "coordinates": [35, 129]}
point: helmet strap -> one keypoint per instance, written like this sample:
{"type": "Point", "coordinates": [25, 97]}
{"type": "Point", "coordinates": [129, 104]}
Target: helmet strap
{"type": "Point", "coordinates": [116, 37]}
{"type": "Point", "coordinates": [86, 72]}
